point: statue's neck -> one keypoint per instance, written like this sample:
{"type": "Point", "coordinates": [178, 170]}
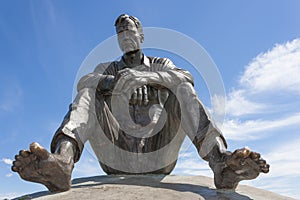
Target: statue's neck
{"type": "Point", "coordinates": [133, 58]}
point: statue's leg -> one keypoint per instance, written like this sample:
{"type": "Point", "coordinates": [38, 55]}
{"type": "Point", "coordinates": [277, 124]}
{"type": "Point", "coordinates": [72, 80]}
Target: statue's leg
{"type": "Point", "coordinates": [229, 168]}
{"type": "Point", "coordinates": [108, 139]}
{"type": "Point", "coordinates": [113, 147]}
{"type": "Point", "coordinates": [54, 169]}
{"type": "Point", "coordinates": [117, 151]}
{"type": "Point", "coordinates": [197, 122]}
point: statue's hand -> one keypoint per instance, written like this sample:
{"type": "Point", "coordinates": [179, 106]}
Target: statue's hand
{"type": "Point", "coordinates": [132, 83]}
{"type": "Point", "coordinates": [130, 77]}
{"type": "Point", "coordinates": [242, 164]}
{"type": "Point", "coordinates": [140, 96]}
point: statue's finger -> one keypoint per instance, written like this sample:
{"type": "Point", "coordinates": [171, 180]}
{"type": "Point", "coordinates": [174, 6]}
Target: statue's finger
{"type": "Point", "coordinates": [145, 95]}
{"type": "Point", "coordinates": [128, 86]}
{"type": "Point", "coordinates": [122, 73]}
{"type": "Point", "coordinates": [133, 97]}
{"type": "Point", "coordinates": [140, 95]}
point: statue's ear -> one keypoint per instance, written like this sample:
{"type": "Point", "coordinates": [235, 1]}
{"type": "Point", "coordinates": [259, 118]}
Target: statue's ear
{"type": "Point", "coordinates": [142, 38]}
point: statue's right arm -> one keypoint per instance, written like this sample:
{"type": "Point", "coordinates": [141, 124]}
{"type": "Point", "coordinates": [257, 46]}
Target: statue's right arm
{"type": "Point", "coordinates": [97, 80]}
{"type": "Point", "coordinates": [89, 81]}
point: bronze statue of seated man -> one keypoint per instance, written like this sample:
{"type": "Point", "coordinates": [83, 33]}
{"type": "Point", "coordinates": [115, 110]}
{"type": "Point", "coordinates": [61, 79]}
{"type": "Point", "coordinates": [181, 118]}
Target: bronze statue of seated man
{"type": "Point", "coordinates": [135, 113]}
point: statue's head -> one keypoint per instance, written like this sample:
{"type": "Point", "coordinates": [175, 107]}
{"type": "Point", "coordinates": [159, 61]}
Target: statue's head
{"type": "Point", "coordinates": [130, 33]}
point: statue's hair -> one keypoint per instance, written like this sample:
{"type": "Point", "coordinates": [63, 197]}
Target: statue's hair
{"type": "Point", "coordinates": [122, 18]}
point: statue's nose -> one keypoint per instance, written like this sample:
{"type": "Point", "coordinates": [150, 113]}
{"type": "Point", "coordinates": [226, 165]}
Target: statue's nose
{"type": "Point", "coordinates": [125, 34]}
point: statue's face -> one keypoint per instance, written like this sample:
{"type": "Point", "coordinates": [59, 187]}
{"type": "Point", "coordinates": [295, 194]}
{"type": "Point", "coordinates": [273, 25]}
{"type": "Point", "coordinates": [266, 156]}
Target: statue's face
{"type": "Point", "coordinates": [128, 37]}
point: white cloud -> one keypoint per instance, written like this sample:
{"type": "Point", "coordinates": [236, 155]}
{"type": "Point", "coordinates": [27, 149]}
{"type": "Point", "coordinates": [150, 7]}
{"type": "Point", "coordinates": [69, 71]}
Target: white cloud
{"type": "Point", "coordinates": [270, 75]}
{"type": "Point", "coordinates": [185, 154]}
{"type": "Point", "coordinates": [277, 69]}
{"type": "Point", "coordinates": [190, 163]}
{"type": "Point", "coordinates": [285, 159]}
{"type": "Point", "coordinates": [7, 161]}
{"type": "Point", "coordinates": [254, 129]}
{"type": "Point", "coordinates": [269, 91]}
{"type": "Point", "coordinates": [239, 104]}
{"type": "Point", "coordinates": [9, 175]}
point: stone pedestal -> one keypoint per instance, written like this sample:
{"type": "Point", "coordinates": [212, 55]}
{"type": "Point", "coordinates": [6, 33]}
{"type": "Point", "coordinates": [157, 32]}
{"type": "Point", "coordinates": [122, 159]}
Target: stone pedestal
{"type": "Point", "coordinates": [155, 187]}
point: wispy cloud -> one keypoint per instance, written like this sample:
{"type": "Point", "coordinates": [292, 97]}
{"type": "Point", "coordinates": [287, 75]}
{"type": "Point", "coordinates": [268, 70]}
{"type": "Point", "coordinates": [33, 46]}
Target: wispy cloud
{"type": "Point", "coordinates": [269, 89]}
{"type": "Point", "coordinates": [190, 163]}
{"type": "Point", "coordinates": [277, 69]}
{"type": "Point", "coordinates": [238, 104]}
{"type": "Point", "coordinates": [270, 75]}
{"type": "Point", "coordinates": [235, 129]}
{"type": "Point", "coordinates": [285, 159]}
{"type": "Point", "coordinates": [51, 11]}
{"type": "Point", "coordinates": [47, 8]}
{"type": "Point", "coordinates": [7, 161]}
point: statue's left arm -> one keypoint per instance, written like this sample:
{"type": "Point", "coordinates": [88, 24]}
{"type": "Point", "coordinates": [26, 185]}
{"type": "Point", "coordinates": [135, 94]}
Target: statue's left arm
{"type": "Point", "coordinates": [163, 73]}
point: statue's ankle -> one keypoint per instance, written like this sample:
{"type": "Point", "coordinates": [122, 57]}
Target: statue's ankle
{"type": "Point", "coordinates": [223, 177]}
{"type": "Point", "coordinates": [215, 156]}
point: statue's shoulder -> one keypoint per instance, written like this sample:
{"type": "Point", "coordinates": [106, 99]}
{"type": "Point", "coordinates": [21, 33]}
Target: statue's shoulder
{"type": "Point", "coordinates": [159, 60]}
{"type": "Point", "coordinates": [102, 67]}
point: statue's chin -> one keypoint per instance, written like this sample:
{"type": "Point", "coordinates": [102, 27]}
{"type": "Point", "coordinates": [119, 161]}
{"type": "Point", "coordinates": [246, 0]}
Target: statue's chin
{"type": "Point", "coordinates": [131, 51]}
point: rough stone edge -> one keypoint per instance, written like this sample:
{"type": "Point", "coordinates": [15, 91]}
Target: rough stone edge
{"type": "Point", "coordinates": [202, 181]}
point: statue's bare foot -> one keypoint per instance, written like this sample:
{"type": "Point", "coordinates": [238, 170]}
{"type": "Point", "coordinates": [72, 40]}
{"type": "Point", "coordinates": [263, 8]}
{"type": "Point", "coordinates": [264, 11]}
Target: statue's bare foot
{"type": "Point", "coordinates": [40, 166]}
{"type": "Point", "coordinates": [242, 164]}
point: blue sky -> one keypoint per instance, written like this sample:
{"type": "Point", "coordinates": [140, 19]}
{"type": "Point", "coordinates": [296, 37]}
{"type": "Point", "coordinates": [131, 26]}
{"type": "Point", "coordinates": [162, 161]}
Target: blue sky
{"type": "Point", "coordinates": [255, 45]}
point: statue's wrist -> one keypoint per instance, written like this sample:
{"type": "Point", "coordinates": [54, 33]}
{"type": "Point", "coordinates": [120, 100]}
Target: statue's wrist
{"type": "Point", "coordinates": [106, 84]}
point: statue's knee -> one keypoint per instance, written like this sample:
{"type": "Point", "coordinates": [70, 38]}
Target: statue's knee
{"type": "Point", "coordinates": [86, 91]}
{"type": "Point", "coordinates": [85, 96]}
{"type": "Point", "coordinates": [186, 89]}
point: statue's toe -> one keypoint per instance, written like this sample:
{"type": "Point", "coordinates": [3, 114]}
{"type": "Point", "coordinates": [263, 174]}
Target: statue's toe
{"type": "Point", "coordinates": [39, 151]}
